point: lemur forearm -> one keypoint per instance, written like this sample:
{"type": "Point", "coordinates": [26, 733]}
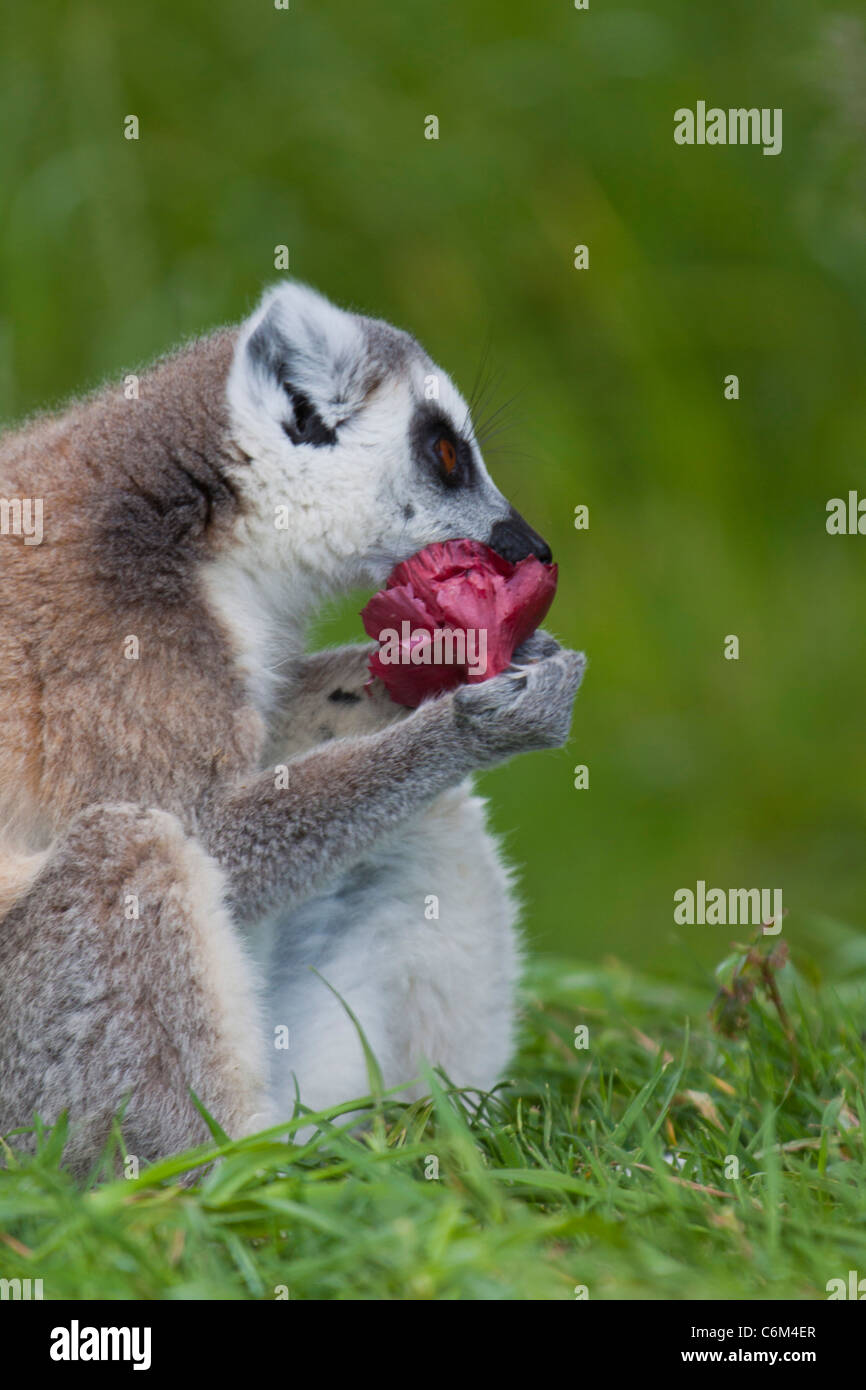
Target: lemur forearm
{"type": "Point", "coordinates": [278, 844]}
{"type": "Point", "coordinates": [316, 670]}
{"type": "Point", "coordinates": [339, 673]}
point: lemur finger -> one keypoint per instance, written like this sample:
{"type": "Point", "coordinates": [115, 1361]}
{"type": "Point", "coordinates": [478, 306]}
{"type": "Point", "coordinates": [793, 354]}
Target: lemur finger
{"type": "Point", "coordinates": [537, 646]}
{"type": "Point", "coordinates": [557, 681]}
{"type": "Point", "coordinates": [525, 708]}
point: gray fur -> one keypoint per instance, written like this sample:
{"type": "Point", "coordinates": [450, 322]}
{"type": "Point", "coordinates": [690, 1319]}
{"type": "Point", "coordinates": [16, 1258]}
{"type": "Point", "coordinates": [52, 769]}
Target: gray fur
{"type": "Point", "coordinates": [276, 845]}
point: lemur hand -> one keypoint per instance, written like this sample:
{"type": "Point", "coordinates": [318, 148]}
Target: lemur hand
{"type": "Point", "coordinates": [528, 707]}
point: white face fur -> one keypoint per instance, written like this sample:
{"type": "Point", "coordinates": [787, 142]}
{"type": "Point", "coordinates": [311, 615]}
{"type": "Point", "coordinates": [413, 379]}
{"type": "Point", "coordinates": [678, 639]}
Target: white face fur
{"type": "Point", "coordinates": [361, 451]}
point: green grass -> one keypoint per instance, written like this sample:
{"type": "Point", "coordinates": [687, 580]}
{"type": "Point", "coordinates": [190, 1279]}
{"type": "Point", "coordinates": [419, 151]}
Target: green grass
{"type": "Point", "coordinates": [605, 1167]}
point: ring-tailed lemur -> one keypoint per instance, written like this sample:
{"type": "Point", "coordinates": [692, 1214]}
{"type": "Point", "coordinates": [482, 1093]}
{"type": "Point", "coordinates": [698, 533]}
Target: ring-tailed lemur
{"type": "Point", "coordinates": [164, 887]}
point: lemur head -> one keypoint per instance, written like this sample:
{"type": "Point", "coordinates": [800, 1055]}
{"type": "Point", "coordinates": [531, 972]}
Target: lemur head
{"type": "Point", "coordinates": [366, 446]}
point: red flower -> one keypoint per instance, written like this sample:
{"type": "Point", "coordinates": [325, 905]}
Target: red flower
{"type": "Point", "coordinates": [454, 613]}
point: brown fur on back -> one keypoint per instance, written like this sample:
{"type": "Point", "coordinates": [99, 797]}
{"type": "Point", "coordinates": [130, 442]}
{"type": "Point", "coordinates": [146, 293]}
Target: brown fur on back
{"type": "Point", "coordinates": [135, 494]}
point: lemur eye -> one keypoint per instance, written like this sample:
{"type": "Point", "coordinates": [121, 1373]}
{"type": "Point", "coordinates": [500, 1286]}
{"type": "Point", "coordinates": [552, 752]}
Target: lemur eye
{"type": "Point", "coordinates": [447, 454]}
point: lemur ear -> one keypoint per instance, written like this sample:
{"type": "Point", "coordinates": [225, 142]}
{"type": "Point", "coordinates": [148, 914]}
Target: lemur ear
{"type": "Point", "coordinates": [302, 362]}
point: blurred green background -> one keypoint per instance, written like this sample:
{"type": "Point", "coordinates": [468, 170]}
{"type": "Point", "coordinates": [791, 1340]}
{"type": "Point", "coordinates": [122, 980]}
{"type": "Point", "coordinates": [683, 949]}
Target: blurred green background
{"type": "Point", "coordinates": [707, 516]}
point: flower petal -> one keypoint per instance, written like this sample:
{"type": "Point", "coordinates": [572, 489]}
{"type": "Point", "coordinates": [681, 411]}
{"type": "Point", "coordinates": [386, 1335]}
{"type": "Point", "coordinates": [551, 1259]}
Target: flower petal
{"type": "Point", "coordinates": [462, 586]}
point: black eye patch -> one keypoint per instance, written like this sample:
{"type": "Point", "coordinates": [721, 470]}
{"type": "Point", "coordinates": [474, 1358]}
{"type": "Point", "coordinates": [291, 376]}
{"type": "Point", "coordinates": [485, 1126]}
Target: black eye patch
{"type": "Point", "coordinates": [306, 425]}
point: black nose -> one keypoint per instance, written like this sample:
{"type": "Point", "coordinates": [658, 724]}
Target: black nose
{"type": "Point", "coordinates": [514, 539]}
